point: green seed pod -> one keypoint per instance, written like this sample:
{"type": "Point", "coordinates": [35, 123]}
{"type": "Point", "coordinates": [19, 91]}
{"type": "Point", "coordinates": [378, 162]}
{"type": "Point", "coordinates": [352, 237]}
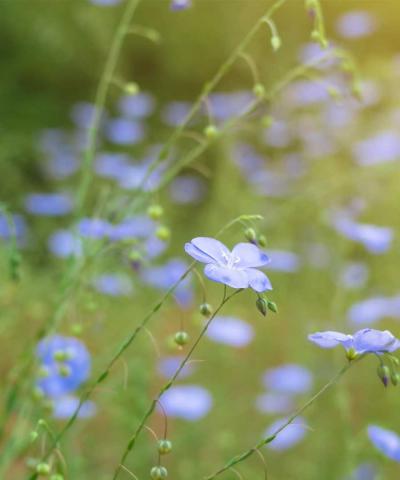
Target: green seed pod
{"type": "Point", "coordinates": [158, 473]}
{"type": "Point", "coordinates": [155, 212]}
{"type": "Point", "coordinates": [33, 436]}
{"type": "Point", "coordinates": [276, 43]}
{"type": "Point", "coordinates": [259, 90]}
{"type": "Point", "coordinates": [205, 309]}
{"type": "Point", "coordinates": [163, 233]}
{"type": "Point", "coordinates": [43, 468]}
{"type": "Point", "coordinates": [131, 88]}
{"type": "Point", "coordinates": [164, 446]}
{"type": "Point", "coordinates": [61, 356]}
{"type": "Point", "coordinates": [262, 241]}
{"type": "Point", "coordinates": [262, 305]}
{"type": "Point", "coordinates": [211, 131]}
{"type": "Point", "coordinates": [135, 256]}
{"type": "Point", "coordinates": [181, 338]}
{"type": "Point", "coordinates": [394, 377]}
{"type": "Point", "coordinates": [383, 372]}
{"type": "Point", "coordinates": [64, 370]}
{"type": "Point", "coordinates": [250, 234]}
{"type": "Point", "coordinates": [272, 306]}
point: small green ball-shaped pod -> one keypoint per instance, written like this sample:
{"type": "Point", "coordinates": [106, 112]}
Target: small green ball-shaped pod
{"type": "Point", "coordinates": [158, 473]}
{"type": "Point", "coordinates": [211, 131]}
{"type": "Point", "coordinates": [33, 435]}
{"type": "Point", "coordinates": [259, 90]}
{"type": "Point", "coordinates": [205, 309]}
{"type": "Point", "coordinates": [64, 370]}
{"type": "Point", "coordinates": [164, 446]}
{"type": "Point", "coordinates": [57, 476]}
{"type": "Point", "coordinates": [155, 212]}
{"type": "Point", "coordinates": [43, 468]}
{"type": "Point", "coordinates": [250, 234]}
{"type": "Point", "coordinates": [181, 338]}
{"type": "Point", "coordinates": [262, 241]}
{"type": "Point", "coordinates": [131, 88]}
{"type": "Point", "coordinates": [61, 356]}
{"type": "Point", "coordinates": [276, 43]}
{"type": "Point", "coordinates": [163, 233]}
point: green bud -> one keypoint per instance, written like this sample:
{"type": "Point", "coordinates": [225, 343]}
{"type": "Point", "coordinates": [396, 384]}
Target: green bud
{"type": "Point", "coordinates": [266, 121]}
{"type": "Point", "coordinates": [158, 473]}
{"type": "Point", "coordinates": [262, 241]}
{"type": "Point", "coordinates": [164, 446]}
{"type": "Point", "coordinates": [37, 393]}
{"type": "Point", "coordinates": [61, 356]}
{"type": "Point", "coordinates": [205, 309]}
{"type": "Point", "coordinates": [181, 338]}
{"type": "Point", "coordinates": [356, 90]}
{"type": "Point", "coordinates": [276, 43]}
{"type": "Point", "coordinates": [272, 306]}
{"type": "Point", "coordinates": [131, 88]}
{"type": "Point", "coordinates": [163, 233]}
{"type": "Point", "coordinates": [43, 468]}
{"type": "Point", "coordinates": [77, 328]}
{"type": "Point", "coordinates": [250, 234]}
{"type": "Point", "coordinates": [259, 90]}
{"type": "Point", "coordinates": [383, 372]}
{"type": "Point", "coordinates": [262, 305]}
{"type": "Point", "coordinates": [394, 377]}
{"type": "Point", "coordinates": [64, 370]}
{"type": "Point", "coordinates": [33, 436]}
{"type": "Point", "coordinates": [135, 256]}
{"type": "Point", "coordinates": [57, 476]}
{"type": "Point", "coordinates": [155, 212]}
{"type": "Point", "coordinates": [211, 131]}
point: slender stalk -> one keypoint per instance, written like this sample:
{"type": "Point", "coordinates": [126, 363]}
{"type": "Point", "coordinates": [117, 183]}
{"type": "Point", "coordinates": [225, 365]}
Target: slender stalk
{"type": "Point", "coordinates": [248, 453]}
{"type": "Point", "coordinates": [169, 384]}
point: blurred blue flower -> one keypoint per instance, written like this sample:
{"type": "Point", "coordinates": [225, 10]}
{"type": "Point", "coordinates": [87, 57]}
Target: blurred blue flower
{"type": "Point", "coordinates": [283, 261]}
{"type": "Point", "coordinates": [174, 113]}
{"type": "Point", "coordinates": [136, 106]}
{"type": "Point", "coordinates": [380, 148]}
{"type": "Point", "coordinates": [365, 471]}
{"type": "Point", "coordinates": [94, 228]}
{"type": "Point", "coordinates": [105, 3]}
{"type": "Point", "coordinates": [180, 4]}
{"type": "Point", "coordinates": [237, 269]}
{"type": "Point", "coordinates": [64, 243]}
{"type": "Point", "coordinates": [48, 204]}
{"type": "Point", "coordinates": [82, 114]}
{"type": "Point", "coordinates": [19, 229]}
{"type": "Point", "coordinates": [164, 276]}
{"type": "Point", "coordinates": [367, 340]}
{"type": "Point", "coordinates": [190, 402]}
{"type": "Point", "coordinates": [354, 275]}
{"type": "Point", "coordinates": [290, 378]}
{"type": "Point", "coordinates": [114, 285]}
{"type": "Point", "coordinates": [227, 105]}
{"type": "Point", "coordinates": [65, 406]}
{"type": "Point", "coordinates": [65, 362]}
{"type": "Point", "coordinates": [374, 309]}
{"type": "Point", "coordinates": [124, 132]}
{"type": "Point", "coordinates": [273, 403]}
{"type": "Point", "coordinates": [167, 366]}
{"type": "Point", "coordinates": [187, 189]}
{"type": "Point", "coordinates": [289, 436]}
{"type": "Point", "coordinates": [356, 24]}
{"type": "Point", "coordinates": [131, 228]}
{"type": "Point", "coordinates": [278, 135]}
{"type": "Point", "coordinates": [386, 441]}
{"type": "Point", "coordinates": [230, 331]}
{"type": "Point", "coordinates": [111, 165]}
{"type": "Point", "coordinates": [62, 164]}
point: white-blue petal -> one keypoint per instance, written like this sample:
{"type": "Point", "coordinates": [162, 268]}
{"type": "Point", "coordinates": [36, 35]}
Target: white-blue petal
{"type": "Point", "coordinates": [228, 276]}
{"type": "Point", "coordinates": [249, 256]}
{"type": "Point", "coordinates": [197, 254]}
{"type": "Point", "coordinates": [258, 281]}
{"type": "Point", "coordinates": [213, 248]}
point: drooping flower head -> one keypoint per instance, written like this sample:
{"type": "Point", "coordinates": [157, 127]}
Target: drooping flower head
{"type": "Point", "coordinates": [366, 340]}
{"type": "Point", "coordinates": [236, 268]}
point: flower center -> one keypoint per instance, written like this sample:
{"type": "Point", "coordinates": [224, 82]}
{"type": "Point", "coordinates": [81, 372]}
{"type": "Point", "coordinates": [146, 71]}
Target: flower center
{"type": "Point", "coordinates": [230, 259]}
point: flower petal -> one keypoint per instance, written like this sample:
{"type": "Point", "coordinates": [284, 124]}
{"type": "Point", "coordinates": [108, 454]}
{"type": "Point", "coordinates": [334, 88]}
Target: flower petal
{"type": "Point", "coordinates": [249, 256]}
{"type": "Point", "coordinates": [197, 254]}
{"type": "Point", "coordinates": [331, 339]}
{"type": "Point", "coordinates": [228, 276]}
{"type": "Point", "coordinates": [258, 281]}
{"type": "Point", "coordinates": [370, 340]}
{"type": "Point", "coordinates": [213, 248]}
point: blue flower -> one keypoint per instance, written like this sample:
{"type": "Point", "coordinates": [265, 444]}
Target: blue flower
{"type": "Point", "coordinates": [65, 406]}
{"type": "Point", "coordinates": [230, 331]}
{"type": "Point", "coordinates": [113, 285]}
{"type": "Point", "coordinates": [180, 4]}
{"type": "Point", "coordinates": [190, 402]}
{"type": "Point", "coordinates": [124, 132]}
{"type": "Point", "coordinates": [387, 441]}
{"type": "Point", "coordinates": [356, 24]}
{"type": "Point", "coordinates": [367, 340]}
{"type": "Point", "coordinates": [64, 243]}
{"type": "Point", "coordinates": [95, 228]}
{"type": "Point", "coordinates": [136, 106]}
{"type": "Point", "coordinates": [65, 365]}
{"type": "Point", "coordinates": [289, 436]}
{"type": "Point", "coordinates": [167, 366]}
{"type": "Point", "coordinates": [374, 309]}
{"type": "Point", "coordinates": [272, 403]}
{"type": "Point", "coordinates": [237, 269]}
{"type": "Point", "coordinates": [48, 204]}
{"type": "Point", "coordinates": [289, 378]}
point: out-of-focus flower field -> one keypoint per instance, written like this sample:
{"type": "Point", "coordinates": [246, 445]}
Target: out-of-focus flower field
{"type": "Point", "coordinates": [199, 239]}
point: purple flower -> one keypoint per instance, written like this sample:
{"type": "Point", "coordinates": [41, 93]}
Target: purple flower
{"type": "Point", "coordinates": [354, 275]}
{"type": "Point", "coordinates": [48, 204]}
{"type": "Point", "coordinates": [374, 309]}
{"type": "Point", "coordinates": [190, 402]}
{"type": "Point", "coordinates": [187, 189]}
{"type": "Point", "coordinates": [111, 165]}
{"type": "Point", "coordinates": [226, 105]}
{"type": "Point", "coordinates": [65, 406]}
{"type": "Point", "coordinates": [180, 4]}
{"type": "Point", "coordinates": [6, 230]}
{"type": "Point", "coordinates": [105, 3]}
{"type": "Point", "coordinates": [95, 228]}
{"type": "Point", "coordinates": [367, 340]}
{"type": "Point", "coordinates": [124, 132]}
{"type": "Point", "coordinates": [131, 228]}
{"type": "Point", "coordinates": [64, 243]}
{"type": "Point", "coordinates": [237, 269]}
{"type": "Point", "coordinates": [290, 378]}
{"type": "Point", "coordinates": [289, 436]}
{"type": "Point", "coordinates": [114, 285]}
{"type": "Point", "coordinates": [230, 331]}
{"type": "Point", "coordinates": [365, 471]}
{"type": "Point", "coordinates": [356, 24]}
{"type": "Point", "coordinates": [386, 441]}
{"type": "Point", "coordinates": [136, 106]}
{"type": "Point", "coordinates": [274, 403]}
{"type": "Point", "coordinates": [65, 363]}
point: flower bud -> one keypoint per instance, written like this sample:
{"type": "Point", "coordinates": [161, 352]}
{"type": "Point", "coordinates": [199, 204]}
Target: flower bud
{"type": "Point", "coordinates": [158, 473]}
{"type": "Point", "coordinates": [155, 212]}
{"type": "Point", "coordinates": [351, 354]}
{"type": "Point", "coordinates": [64, 370]}
{"type": "Point", "coordinates": [61, 356]}
{"type": "Point", "coordinates": [164, 446]}
{"type": "Point", "coordinates": [394, 377]}
{"type": "Point", "coordinates": [43, 468]}
{"type": "Point", "coordinates": [33, 436]}
{"type": "Point", "coordinates": [383, 373]}
{"type": "Point", "coordinates": [276, 43]}
{"type": "Point", "coordinates": [259, 90]}
{"type": "Point", "coordinates": [262, 305]}
{"type": "Point", "coordinates": [131, 88]}
{"type": "Point", "coordinates": [135, 256]}
{"type": "Point", "coordinates": [163, 233]}
{"type": "Point", "coordinates": [76, 329]}
{"type": "Point", "coordinates": [272, 306]}
{"type": "Point", "coordinates": [57, 476]}
{"type": "Point", "coordinates": [37, 393]}
{"type": "Point", "coordinates": [181, 338]}
{"type": "Point", "coordinates": [211, 131]}
{"type": "Point", "coordinates": [262, 241]}
{"type": "Point", "coordinates": [205, 309]}
{"type": "Point", "coordinates": [250, 235]}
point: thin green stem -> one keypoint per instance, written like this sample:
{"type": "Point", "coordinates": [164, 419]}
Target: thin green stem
{"type": "Point", "coordinates": [248, 453]}
{"type": "Point", "coordinates": [169, 384]}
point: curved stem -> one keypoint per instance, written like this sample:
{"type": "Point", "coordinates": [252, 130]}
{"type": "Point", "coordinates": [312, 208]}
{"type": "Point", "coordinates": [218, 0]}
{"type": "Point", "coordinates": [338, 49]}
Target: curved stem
{"type": "Point", "coordinates": [169, 384]}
